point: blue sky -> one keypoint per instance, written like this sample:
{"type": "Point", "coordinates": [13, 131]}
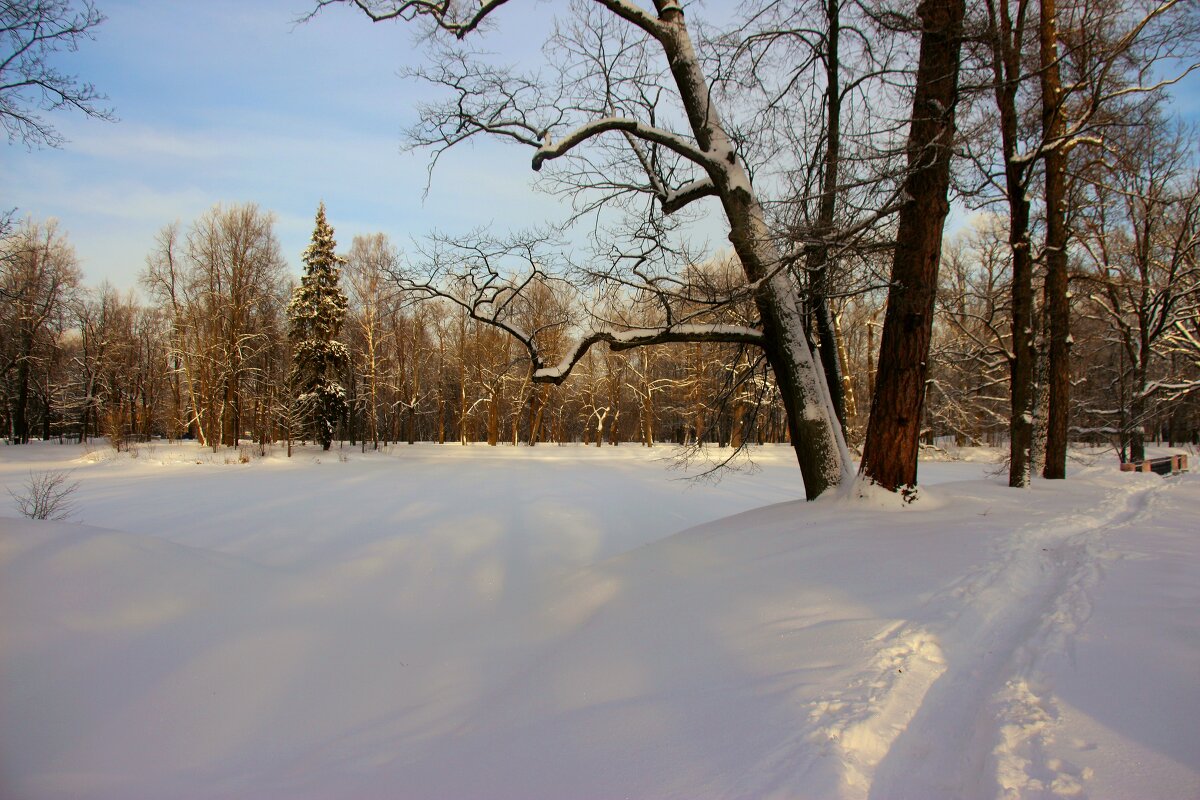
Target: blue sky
{"type": "Point", "coordinates": [229, 101]}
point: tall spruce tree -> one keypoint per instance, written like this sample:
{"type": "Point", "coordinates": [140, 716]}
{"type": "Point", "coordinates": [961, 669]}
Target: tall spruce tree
{"type": "Point", "coordinates": [315, 314]}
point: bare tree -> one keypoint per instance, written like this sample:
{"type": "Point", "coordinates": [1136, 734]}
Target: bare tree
{"type": "Point", "coordinates": [1111, 54]}
{"type": "Point", "coordinates": [31, 32]}
{"type": "Point", "coordinates": [1182, 345]}
{"type": "Point", "coordinates": [809, 81]}
{"type": "Point", "coordinates": [1008, 29]}
{"type": "Point", "coordinates": [636, 119]}
{"type": "Point", "coordinates": [47, 495]}
{"type": "Point", "coordinates": [1142, 243]}
{"type": "Point", "coordinates": [971, 355]}
{"type": "Point", "coordinates": [368, 264]}
{"type": "Point", "coordinates": [223, 284]}
{"type": "Point", "coordinates": [1062, 78]}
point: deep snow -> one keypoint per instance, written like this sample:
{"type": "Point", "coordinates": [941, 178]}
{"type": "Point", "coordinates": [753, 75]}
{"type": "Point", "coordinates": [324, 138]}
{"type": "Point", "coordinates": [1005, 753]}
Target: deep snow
{"type": "Point", "coordinates": [576, 622]}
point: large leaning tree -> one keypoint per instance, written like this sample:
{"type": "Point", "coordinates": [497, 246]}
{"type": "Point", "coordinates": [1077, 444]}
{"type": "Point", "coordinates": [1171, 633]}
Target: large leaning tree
{"type": "Point", "coordinates": [319, 358]}
{"type": "Point", "coordinates": [627, 110]}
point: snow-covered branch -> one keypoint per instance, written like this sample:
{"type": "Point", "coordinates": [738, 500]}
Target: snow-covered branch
{"type": "Point", "coordinates": [635, 14]}
{"type": "Point", "coordinates": [676, 199]}
{"type": "Point", "coordinates": [640, 337]}
{"type": "Point", "coordinates": [677, 144]}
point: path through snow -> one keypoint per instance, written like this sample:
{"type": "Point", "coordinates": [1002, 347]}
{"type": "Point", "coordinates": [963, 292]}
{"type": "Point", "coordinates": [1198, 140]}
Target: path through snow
{"type": "Point", "coordinates": [977, 715]}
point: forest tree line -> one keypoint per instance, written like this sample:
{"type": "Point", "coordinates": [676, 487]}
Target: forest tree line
{"type": "Point", "coordinates": [202, 351]}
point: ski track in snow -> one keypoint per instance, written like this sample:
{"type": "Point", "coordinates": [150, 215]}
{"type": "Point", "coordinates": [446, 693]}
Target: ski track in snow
{"type": "Point", "coordinates": [958, 706]}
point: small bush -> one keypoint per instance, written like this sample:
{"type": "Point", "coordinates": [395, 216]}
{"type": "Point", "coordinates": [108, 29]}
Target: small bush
{"type": "Point", "coordinates": [47, 495]}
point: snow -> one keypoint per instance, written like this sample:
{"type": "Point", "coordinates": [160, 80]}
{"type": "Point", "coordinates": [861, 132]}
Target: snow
{"type": "Point", "coordinates": [732, 332]}
{"type": "Point", "coordinates": [576, 622]}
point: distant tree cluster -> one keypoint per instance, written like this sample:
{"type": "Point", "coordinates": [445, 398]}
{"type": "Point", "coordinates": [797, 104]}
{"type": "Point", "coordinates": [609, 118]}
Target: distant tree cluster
{"type": "Point", "coordinates": [211, 356]}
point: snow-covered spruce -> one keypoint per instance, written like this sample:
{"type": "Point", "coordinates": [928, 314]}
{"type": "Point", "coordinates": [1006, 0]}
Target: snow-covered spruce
{"type": "Point", "coordinates": [315, 317]}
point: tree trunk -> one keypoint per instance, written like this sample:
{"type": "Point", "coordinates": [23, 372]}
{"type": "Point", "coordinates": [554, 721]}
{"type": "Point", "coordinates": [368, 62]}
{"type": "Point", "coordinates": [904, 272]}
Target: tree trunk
{"type": "Point", "coordinates": [648, 417]}
{"type": "Point", "coordinates": [812, 421]}
{"type": "Point", "coordinates": [817, 256]}
{"type": "Point", "coordinates": [493, 421]}
{"type": "Point", "coordinates": [537, 406]}
{"type": "Point", "coordinates": [1057, 306]}
{"type": "Point", "coordinates": [1007, 36]}
{"type": "Point", "coordinates": [1024, 350]}
{"type": "Point", "coordinates": [441, 418]}
{"type": "Point", "coordinates": [736, 439]}
{"type": "Point", "coordinates": [462, 408]}
{"type": "Point", "coordinates": [20, 422]}
{"type": "Point", "coordinates": [893, 432]}
{"type": "Point", "coordinates": [850, 403]}
{"type": "Point", "coordinates": [1137, 417]}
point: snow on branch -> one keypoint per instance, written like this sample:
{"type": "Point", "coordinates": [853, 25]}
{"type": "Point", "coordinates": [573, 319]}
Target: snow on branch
{"type": "Point", "coordinates": [677, 199]}
{"type": "Point", "coordinates": [640, 337]}
{"type": "Point", "coordinates": [631, 12]}
{"type": "Point", "coordinates": [677, 144]}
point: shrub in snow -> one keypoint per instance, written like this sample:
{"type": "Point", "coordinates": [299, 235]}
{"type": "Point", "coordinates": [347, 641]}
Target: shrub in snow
{"type": "Point", "coordinates": [47, 495]}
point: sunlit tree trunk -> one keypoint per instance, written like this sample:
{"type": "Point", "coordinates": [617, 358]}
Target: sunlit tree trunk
{"type": "Point", "coordinates": [894, 429]}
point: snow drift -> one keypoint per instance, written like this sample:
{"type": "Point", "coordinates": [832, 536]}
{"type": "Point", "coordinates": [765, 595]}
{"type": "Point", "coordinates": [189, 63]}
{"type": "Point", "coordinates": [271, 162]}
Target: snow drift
{"type": "Point", "coordinates": [493, 623]}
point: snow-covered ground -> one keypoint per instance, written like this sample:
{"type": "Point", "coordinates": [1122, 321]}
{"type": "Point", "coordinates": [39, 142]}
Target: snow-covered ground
{"type": "Point", "coordinates": [569, 622]}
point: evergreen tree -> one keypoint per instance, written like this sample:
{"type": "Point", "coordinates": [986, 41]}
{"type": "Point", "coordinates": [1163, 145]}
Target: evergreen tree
{"type": "Point", "coordinates": [315, 314]}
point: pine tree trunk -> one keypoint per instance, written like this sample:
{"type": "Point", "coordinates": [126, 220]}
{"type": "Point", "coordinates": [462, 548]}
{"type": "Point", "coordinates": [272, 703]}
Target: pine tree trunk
{"type": "Point", "coordinates": [893, 432]}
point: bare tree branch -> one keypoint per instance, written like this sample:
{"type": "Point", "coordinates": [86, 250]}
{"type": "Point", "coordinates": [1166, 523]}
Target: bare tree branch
{"type": "Point", "coordinates": [31, 32]}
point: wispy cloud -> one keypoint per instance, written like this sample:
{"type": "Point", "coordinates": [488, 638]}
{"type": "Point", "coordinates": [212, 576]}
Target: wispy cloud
{"type": "Point", "coordinates": [134, 142]}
